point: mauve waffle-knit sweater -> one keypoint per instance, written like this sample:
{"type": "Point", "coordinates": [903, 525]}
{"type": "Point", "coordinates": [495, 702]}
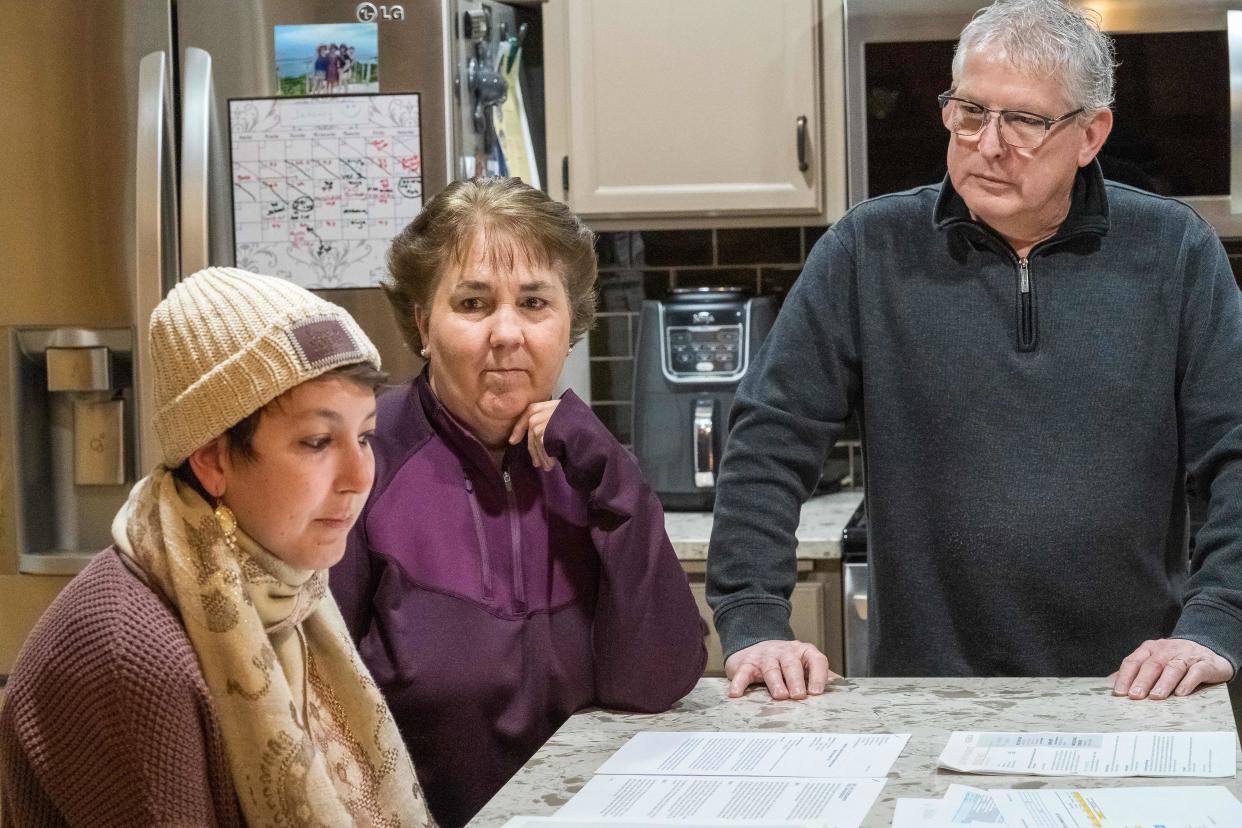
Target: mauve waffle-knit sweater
{"type": "Point", "coordinates": [107, 719]}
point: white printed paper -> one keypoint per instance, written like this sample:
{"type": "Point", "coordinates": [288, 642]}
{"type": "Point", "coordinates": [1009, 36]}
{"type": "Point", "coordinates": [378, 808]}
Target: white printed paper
{"type": "Point", "coordinates": [963, 805]}
{"type": "Point", "coordinates": [725, 801]}
{"type": "Point", "coordinates": [916, 813]}
{"type": "Point", "coordinates": [1202, 754]}
{"type": "Point", "coordinates": [812, 755]}
{"type": "Point", "coordinates": [1171, 806]}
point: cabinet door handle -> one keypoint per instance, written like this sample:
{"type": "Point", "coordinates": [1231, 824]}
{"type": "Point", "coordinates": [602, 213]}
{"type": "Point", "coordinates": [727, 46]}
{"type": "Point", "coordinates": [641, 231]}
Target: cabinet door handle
{"type": "Point", "coordinates": [803, 166]}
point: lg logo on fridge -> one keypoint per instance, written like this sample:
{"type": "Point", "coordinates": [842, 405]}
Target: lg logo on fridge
{"type": "Point", "coordinates": [368, 12]}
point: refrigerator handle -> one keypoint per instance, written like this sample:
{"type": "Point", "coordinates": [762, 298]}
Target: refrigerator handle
{"type": "Point", "coordinates": [154, 270]}
{"type": "Point", "coordinates": [196, 101]}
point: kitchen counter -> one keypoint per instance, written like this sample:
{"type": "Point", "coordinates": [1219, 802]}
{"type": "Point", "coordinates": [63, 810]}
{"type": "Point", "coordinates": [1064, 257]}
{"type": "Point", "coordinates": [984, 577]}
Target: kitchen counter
{"type": "Point", "coordinates": [819, 530]}
{"type": "Point", "coordinates": [928, 709]}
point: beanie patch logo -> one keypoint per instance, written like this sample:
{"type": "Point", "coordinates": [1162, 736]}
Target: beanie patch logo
{"type": "Point", "coordinates": [323, 342]}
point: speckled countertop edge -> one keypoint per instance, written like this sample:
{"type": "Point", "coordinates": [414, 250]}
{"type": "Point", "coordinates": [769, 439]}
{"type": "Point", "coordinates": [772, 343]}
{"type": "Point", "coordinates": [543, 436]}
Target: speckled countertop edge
{"type": "Point", "coordinates": [927, 709]}
{"type": "Point", "coordinates": [819, 530]}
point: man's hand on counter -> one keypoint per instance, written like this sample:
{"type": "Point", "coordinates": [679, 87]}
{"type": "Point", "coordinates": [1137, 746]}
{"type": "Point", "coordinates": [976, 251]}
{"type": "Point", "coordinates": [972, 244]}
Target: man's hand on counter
{"type": "Point", "coordinates": [790, 669]}
{"type": "Point", "coordinates": [1167, 666]}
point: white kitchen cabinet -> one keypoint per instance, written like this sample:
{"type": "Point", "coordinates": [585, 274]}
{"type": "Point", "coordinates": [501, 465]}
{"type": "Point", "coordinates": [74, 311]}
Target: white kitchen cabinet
{"type": "Point", "coordinates": [696, 108]}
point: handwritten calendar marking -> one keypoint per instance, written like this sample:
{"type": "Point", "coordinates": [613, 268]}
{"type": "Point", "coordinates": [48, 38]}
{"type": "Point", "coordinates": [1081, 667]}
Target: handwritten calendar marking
{"type": "Point", "coordinates": [331, 200]}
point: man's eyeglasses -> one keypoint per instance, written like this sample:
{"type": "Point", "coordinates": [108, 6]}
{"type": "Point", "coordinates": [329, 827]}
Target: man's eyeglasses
{"type": "Point", "coordinates": [1024, 130]}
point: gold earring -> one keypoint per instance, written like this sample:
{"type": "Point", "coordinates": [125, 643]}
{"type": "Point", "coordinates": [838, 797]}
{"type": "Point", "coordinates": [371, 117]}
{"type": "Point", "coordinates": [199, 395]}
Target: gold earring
{"type": "Point", "coordinates": [227, 522]}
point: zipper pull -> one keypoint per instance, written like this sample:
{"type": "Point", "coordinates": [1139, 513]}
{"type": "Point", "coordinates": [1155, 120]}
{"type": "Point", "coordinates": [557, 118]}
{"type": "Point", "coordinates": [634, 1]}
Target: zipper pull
{"type": "Point", "coordinates": [508, 481]}
{"type": "Point", "coordinates": [1024, 268]}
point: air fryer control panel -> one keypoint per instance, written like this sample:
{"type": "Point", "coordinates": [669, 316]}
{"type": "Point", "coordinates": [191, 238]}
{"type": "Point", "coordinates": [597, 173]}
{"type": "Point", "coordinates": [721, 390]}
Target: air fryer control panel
{"type": "Point", "coordinates": [692, 350]}
{"type": "Point", "coordinates": [704, 344]}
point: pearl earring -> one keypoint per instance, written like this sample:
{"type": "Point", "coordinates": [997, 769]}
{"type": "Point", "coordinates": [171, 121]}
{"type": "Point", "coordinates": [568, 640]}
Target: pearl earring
{"type": "Point", "coordinates": [423, 353]}
{"type": "Point", "coordinates": [227, 523]}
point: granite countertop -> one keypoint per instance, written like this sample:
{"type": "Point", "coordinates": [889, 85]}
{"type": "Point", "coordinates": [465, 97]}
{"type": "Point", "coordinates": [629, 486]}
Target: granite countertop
{"type": "Point", "coordinates": [819, 531]}
{"type": "Point", "coordinates": [926, 708]}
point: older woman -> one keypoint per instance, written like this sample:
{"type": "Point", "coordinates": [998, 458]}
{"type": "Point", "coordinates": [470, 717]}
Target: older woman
{"type": "Point", "coordinates": [197, 672]}
{"type": "Point", "coordinates": [510, 567]}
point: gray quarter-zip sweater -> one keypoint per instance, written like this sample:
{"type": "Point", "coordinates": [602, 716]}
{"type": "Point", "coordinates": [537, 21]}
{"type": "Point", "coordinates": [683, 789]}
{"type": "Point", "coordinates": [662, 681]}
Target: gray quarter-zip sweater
{"type": "Point", "coordinates": [1027, 426]}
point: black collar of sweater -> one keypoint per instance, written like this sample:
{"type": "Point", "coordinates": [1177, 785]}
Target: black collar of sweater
{"type": "Point", "coordinates": [1088, 212]}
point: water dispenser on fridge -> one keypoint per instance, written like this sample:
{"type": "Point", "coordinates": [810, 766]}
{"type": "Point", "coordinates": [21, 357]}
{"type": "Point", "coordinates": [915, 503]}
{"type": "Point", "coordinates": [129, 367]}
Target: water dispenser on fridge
{"type": "Point", "coordinates": [71, 422]}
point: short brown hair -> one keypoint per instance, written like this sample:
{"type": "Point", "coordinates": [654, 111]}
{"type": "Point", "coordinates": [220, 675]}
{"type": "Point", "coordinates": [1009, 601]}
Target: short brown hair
{"type": "Point", "coordinates": [511, 214]}
{"type": "Point", "coordinates": [240, 435]}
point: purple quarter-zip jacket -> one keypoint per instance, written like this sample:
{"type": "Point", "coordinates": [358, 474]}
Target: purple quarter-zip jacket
{"type": "Point", "coordinates": [491, 604]}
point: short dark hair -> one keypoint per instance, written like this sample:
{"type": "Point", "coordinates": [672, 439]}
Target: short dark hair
{"type": "Point", "coordinates": [514, 218]}
{"type": "Point", "coordinates": [240, 436]}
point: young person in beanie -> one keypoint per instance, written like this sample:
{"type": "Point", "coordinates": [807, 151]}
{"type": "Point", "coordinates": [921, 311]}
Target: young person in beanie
{"type": "Point", "coordinates": [197, 672]}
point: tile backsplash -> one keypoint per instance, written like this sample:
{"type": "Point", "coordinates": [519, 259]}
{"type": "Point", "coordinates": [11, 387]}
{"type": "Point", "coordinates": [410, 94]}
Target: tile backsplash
{"type": "Point", "coordinates": [647, 264]}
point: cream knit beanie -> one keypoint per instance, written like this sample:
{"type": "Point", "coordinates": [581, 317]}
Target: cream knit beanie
{"type": "Point", "coordinates": [225, 343]}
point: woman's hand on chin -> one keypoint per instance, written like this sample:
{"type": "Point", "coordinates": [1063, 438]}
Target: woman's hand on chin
{"type": "Point", "coordinates": [532, 424]}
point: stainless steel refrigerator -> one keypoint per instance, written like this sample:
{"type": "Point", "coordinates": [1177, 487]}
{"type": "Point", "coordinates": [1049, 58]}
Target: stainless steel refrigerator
{"type": "Point", "coordinates": [193, 57]}
{"type": "Point", "coordinates": [128, 128]}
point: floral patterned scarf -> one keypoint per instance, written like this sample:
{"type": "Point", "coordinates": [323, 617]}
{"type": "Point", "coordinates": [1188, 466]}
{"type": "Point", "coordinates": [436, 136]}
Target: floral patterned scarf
{"type": "Point", "coordinates": [309, 738]}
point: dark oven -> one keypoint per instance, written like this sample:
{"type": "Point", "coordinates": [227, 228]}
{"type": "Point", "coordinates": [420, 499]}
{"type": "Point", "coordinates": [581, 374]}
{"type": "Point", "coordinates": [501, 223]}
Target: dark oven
{"type": "Point", "coordinates": [1174, 105]}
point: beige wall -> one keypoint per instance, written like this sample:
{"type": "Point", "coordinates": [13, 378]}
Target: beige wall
{"type": "Point", "coordinates": [63, 257]}
{"type": "Point", "coordinates": [65, 98]}
{"type": "Point", "coordinates": [25, 597]}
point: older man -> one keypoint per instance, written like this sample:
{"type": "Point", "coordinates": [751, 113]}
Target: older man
{"type": "Point", "coordinates": [1039, 358]}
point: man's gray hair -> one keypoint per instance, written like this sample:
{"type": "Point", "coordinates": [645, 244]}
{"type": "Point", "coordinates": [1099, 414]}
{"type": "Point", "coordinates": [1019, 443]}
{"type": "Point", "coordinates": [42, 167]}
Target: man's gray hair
{"type": "Point", "coordinates": [1049, 37]}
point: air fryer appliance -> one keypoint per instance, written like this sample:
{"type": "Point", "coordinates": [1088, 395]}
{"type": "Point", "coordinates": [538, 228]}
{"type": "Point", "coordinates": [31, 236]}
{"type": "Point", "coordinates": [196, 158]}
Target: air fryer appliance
{"type": "Point", "coordinates": [693, 350]}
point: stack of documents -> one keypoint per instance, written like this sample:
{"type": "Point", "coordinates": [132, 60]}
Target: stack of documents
{"type": "Point", "coordinates": [1104, 755]}
{"type": "Point", "coordinates": [1209, 753]}
{"type": "Point", "coordinates": [1170, 806]}
{"type": "Point", "coordinates": [824, 780]}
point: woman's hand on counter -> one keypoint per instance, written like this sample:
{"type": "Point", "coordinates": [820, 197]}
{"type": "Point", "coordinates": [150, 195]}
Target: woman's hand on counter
{"type": "Point", "coordinates": [790, 669]}
{"type": "Point", "coordinates": [1169, 666]}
